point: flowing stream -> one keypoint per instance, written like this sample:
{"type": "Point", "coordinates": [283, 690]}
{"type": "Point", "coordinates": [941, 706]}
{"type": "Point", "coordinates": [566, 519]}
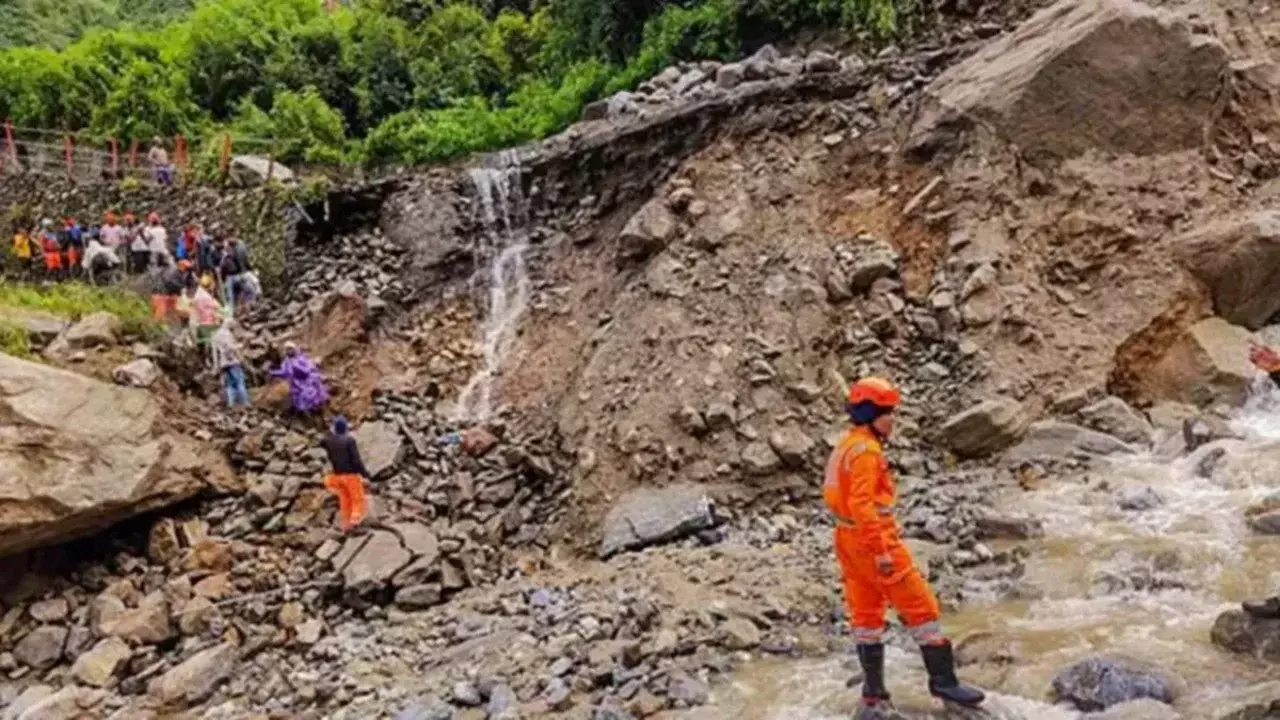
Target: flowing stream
{"type": "Point", "coordinates": [503, 211]}
{"type": "Point", "coordinates": [1146, 584]}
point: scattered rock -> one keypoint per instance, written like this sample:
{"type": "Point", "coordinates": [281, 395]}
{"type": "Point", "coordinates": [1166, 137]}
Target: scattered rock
{"type": "Point", "coordinates": [1113, 416]}
{"type": "Point", "coordinates": [100, 328]}
{"type": "Point", "coordinates": [1141, 498]}
{"type": "Point", "coordinates": [647, 516]}
{"type": "Point", "coordinates": [1051, 439]}
{"type": "Point", "coordinates": [1239, 632]}
{"type": "Point", "coordinates": [993, 525]}
{"type": "Point", "coordinates": [148, 624]}
{"type": "Point", "coordinates": [1238, 258]}
{"type": "Point", "coordinates": [740, 634]}
{"type": "Point", "coordinates": [196, 677]}
{"type": "Point", "coordinates": [647, 232]}
{"type": "Point", "coordinates": [1098, 683]}
{"type": "Point", "coordinates": [51, 610]}
{"type": "Point", "coordinates": [792, 446]}
{"type": "Point", "coordinates": [42, 647]}
{"type": "Point", "coordinates": [371, 561]}
{"type": "Point", "coordinates": [140, 373]}
{"type": "Point", "coordinates": [477, 441]}
{"type": "Point", "coordinates": [760, 459]}
{"type": "Point", "coordinates": [876, 259]}
{"type": "Point", "coordinates": [101, 664]}
{"type": "Point", "coordinates": [381, 447]}
{"type": "Point", "coordinates": [985, 429]}
{"type": "Point", "coordinates": [1264, 516]}
{"type": "Point", "coordinates": [729, 76]}
{"type": "Point", "coordinates": [686, 689]}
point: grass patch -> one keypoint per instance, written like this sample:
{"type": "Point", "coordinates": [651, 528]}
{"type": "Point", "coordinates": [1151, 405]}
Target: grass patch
{"type": "Point", "coordinates": [14, 340]}
{"type": "Point", "coordinates": [75, 300]}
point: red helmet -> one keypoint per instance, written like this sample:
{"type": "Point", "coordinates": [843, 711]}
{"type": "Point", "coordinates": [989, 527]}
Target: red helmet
{"type": "Point", "coordinates": [877, 391]}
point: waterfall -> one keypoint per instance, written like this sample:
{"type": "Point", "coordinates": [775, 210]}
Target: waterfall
{"type": "Point", "coordinates": [502, 210]}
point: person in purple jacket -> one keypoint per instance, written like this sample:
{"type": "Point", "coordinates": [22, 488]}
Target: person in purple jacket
{"type": "Point", "coordinates": [307, 389]}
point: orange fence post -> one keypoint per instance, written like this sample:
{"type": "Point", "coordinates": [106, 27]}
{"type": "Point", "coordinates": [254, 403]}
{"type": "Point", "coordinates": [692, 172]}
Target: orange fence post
{"type": "Point", "coordinates": [115, 158]}
{"type": "Point", "coordinates": [181, 152]}
{"type": "Point", "coordinates": [271, 161]}
{"type": "Point", "coordinates": [133, 154]}
{"type": "Point", "coordinates": [9, 144]}
{"type": "Point", "coordinates": [67, 150]}
{"type": "Point", "coordinates": [224, 164]}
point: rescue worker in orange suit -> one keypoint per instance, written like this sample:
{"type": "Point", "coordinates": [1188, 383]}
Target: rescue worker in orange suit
{"type": "Point", "coordinates": [878, 569]}
{"type": "Point", "coordinates": [1266, 360]}
{"type": "Point", "coordinates": [347, 479]}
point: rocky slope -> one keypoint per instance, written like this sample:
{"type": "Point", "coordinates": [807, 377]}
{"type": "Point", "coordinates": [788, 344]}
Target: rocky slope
{"type": "Point", "coordinates": [692, 276]}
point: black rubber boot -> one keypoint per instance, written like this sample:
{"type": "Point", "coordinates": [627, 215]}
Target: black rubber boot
{"type": "Point", "coordinates": [871, 657]}
{"type": "Point", "coordinates": [941, 664]}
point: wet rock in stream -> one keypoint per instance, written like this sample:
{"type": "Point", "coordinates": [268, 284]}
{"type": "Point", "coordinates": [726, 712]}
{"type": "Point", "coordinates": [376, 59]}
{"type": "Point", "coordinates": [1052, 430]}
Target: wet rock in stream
{"type": "Point", "coordinates": [1098, 683]}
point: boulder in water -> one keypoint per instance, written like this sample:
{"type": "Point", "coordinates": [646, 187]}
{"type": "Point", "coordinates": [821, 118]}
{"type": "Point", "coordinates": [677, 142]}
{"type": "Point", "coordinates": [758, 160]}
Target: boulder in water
{"type": "Point", "coordinates": [1113, 416]}
{"type": "Point", "coordinates": [1099, 682]}
{"type": "Point", "coordinates": [647, 516]}
{"type": "Point", "coordinates": [1264, 516]}
{"type": "Point", "coordinates": [1142, 709]}
{"type": "Point", "coordinates": [1239, 632]}
{"type": "Point", "coordinates": [1051, 439]}
{"type": "Point", "coordinates": [1114, 75]}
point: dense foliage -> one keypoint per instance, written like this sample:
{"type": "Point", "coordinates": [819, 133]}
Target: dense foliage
{"type": "Point", "coordinates": [377, 81]}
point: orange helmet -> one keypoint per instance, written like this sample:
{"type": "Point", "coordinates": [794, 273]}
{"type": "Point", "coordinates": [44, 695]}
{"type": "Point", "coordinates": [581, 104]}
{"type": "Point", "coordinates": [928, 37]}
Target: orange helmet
{"type": "Point", "coordinates": [877, 391]}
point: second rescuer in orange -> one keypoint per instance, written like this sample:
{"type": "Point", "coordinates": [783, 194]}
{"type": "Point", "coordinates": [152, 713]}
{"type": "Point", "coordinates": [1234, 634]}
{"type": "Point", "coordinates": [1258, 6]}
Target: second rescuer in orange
{"type": "Point", "coordinates": [877, 566]}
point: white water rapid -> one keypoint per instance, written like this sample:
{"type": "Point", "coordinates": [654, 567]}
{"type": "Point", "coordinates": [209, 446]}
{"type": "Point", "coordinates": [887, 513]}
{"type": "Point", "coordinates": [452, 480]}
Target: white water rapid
{"type": "Point", "coordinates": [501, 208]}
{"type": "Point", "coordinates": [1146, 584]}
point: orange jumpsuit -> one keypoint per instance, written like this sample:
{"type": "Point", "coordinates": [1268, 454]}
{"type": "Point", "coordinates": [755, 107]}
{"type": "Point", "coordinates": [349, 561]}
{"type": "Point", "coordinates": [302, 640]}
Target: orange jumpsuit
{"type": "Point", "coordinates": [859, 491]}
{"type": "Point", "coordinates": [352, 506]}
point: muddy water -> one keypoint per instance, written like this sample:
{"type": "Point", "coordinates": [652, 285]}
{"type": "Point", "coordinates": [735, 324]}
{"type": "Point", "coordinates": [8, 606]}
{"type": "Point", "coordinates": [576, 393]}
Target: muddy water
{"type": "Point", "coordinates": [1089, 590]}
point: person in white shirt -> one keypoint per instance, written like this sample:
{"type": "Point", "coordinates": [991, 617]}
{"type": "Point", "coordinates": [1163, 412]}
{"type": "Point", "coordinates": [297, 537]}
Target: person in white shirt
{"type": "Point", "coordinates": [112, 236]}
{"type": "Point", "coordinates": [157, 239]}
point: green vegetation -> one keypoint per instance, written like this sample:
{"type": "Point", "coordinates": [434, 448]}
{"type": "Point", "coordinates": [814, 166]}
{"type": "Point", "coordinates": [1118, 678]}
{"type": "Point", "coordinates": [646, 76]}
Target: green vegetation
{"type": "Point", "coordinates": [73, 301]}
{"type": "Point", "coordinates": [14, 340]}
{"type": "Point", "coordinates": [377, 81]}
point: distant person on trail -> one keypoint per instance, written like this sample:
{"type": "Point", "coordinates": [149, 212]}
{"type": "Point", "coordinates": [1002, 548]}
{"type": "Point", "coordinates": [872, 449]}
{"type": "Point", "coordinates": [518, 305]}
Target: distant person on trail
{"type": "Point", "coordinates": [878, 569]}
{"type": "Point", "coordinates": [139, 249]}
{"type": "Point", "coordinates": [206, 312]}
{"type": "Point", "coordinates": [51, 249]}
{"type": "Point", "coordinates": [159, 159]}
{"type": "Point", "coordinates": [73, 244]}
{"type": "Point", "coordinates": [230, 366]}
{"type": "Point", "coordinates": [168, 281]}
{"type": "Point", "coordinates": [157, 239]}
{"type": "Point", "coordinates": [100, 263]}
{"type": "Point", "coordinates": [207, 257]}
{"type": "Point", "coordinates": [307, 390]}
{"type": "Point", "coordinates": [23, 250]}
{"type": "Point", "coordinates": [347, 479]}
{"type": "Point", "coordinates": [235, 263]}
{"type": "Point", "coordinates": [113, 237]}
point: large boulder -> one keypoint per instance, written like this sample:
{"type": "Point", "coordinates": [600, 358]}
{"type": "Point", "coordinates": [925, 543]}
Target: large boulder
{"type": "Point", "coordinates": [381, 446]}
{"type": "Point", "coordinates": [368, 563]}
{"type": "Point", "coordinates": [987, 428]}
{"type": "Point", "coordinates": [100, 328]}
{"type": "Point", "coordinates": [1242, 633]}
{"type": "Point", "coordinates": [1052, 440]}
{"type": "Point", "coordinates": [77, 455]}
{"type": "Point", "coordinates": [1206, 364]}
{"type": "Point", "coordinates": [1238, 259]}
{"type": "Point", "coordinates": [1113, 75]}
{"type": "Point", "coordinates": [1097, 683]}
{"type": "Point", "coordinates": [646, 516]}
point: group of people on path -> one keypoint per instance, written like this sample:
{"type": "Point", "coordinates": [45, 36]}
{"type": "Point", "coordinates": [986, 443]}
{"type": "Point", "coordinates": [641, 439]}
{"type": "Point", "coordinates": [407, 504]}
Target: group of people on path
{"type": "Point", "coordinates": [100, 252]}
